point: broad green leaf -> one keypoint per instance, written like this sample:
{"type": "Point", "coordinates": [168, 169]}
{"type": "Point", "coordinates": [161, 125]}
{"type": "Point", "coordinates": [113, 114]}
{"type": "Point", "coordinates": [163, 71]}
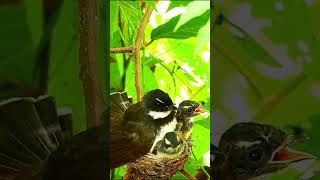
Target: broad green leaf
{"type": "Point", "coordinates": [113, 17]}
{"type": "Point", "coordinates": [187, 30]}
{"type": "Point", "coordinates": [248, 43]}
{"type": "Point", "coordinates": [174, 4]}
{"type": "Point", "coordinates": [194, 9]}
{"type": "Point", "coordinates": [152, 4]}
{"type": "Point", "coordinates": [189, 76]}
{"type": "Point", "coordinates": [203, 36]}
{"type": "Point", "coordinates": [201, 140]}
{"type": "Point", "coordinates": [149, 82]}
{"type": "Point", "coordinates": [115, 78]}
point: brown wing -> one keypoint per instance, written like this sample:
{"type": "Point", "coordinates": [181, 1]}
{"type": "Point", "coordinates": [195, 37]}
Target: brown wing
{"type": "Point", "coordinates": [131, 139]}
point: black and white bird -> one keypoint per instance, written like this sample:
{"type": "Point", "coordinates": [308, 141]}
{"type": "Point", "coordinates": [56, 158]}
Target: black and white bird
{"type": "Point", "coordinates": [135, 129]}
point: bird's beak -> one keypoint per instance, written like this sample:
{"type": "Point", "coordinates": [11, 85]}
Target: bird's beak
{"type": "Point", "coordinates": [285, 155]}
{"type": "Point", "coordinates": [198, 111]}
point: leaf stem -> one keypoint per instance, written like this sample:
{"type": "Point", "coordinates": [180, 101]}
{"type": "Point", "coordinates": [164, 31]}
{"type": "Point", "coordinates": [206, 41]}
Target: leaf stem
{"type": "Point", "coordinates": [241, 70]}
{"type": "Point", "coordinates": [201, 167]}
{"type": "Point", "coordinates": [270, 102]}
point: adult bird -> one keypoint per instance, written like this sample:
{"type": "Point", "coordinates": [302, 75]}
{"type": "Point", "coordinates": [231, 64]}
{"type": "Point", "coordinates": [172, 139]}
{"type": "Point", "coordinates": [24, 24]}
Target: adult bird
{"type": "Point", "coordinates": [135, 129]}
{"type": "Point", "coordinates": [248, 150]}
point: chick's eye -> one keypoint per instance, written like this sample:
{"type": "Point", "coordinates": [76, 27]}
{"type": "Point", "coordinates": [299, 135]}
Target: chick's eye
{"type": "Point", "coordinates": [189, 110]}
{"type": "Point", "coordinates": [255, 155]}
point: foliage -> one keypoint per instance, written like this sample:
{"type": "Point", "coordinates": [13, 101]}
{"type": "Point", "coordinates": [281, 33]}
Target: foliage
{"type": "Point", "coordinates": [175, 58]}
{"type": "Point", "coordinates": [267, 48]}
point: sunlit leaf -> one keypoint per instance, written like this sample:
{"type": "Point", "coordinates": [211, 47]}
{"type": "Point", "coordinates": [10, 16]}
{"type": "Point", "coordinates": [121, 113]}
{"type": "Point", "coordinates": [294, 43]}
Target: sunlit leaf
{"type": "Point", "coordinates": [194, 9]}
{"type": "Point", "coordinates": [174, 4]}
{"type": "Point", "coordinates": [189, 29]}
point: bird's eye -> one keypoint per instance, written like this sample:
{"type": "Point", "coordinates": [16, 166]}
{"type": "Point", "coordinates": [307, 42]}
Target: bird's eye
{"type": "Point", "coordinates": [255, 155]}
{"type": "Point", "coordinates": [189, 110]}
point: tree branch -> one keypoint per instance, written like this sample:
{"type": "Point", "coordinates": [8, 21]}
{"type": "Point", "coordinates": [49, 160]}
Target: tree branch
{"type": "Point", "coordinates": [138, 44]}
{"type": "Point", "coordinates": [130, 50]}
{"type": "Point", "coordinates": [186, 174]}
{"type": "Point", "coordinates": [88, 31]}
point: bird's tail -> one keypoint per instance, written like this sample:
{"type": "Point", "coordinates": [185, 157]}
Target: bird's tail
{"type": "Point", "coordinates": [119, 103]}
{"type": "Point", "coordinates": [30, 130]}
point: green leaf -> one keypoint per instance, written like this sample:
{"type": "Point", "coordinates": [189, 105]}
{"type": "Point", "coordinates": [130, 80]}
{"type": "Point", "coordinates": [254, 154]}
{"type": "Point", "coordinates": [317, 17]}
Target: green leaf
{"type": "Point", "coordinates": [249, 44]}
{"type": "Point", "coordinates": [188, 76]}
{"type": "Point", "coordinates": [174, 4]}
{"type": "Point", "coordinates": [187, 30]}
{"type": "Point", "coordinates": [113, 17]}
{"type": "Point", "coordinates": [194, 9]}
{"type": "Point", "coordinates": [152, 4]}
{"type": "Point", "coordinates": [203, 36]}
{"type": "Point", "coordinates": [149, 81]}
{"type": "Point", "coordinates": [116, 78]}
{"type": "Point", "coordinates": [201, 140]}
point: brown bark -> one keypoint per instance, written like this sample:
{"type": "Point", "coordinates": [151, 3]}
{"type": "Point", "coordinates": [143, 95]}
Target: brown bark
{"type": "Point", "coordinates": [88, 32]}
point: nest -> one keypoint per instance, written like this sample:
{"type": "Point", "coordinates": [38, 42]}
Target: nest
{"type": "Point", "coordinates": [148, 167]}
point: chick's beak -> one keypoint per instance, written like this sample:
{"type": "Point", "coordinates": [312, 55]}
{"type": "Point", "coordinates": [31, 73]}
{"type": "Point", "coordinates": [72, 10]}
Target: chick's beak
{"type": "Point", "coordinates": [199, 110]}
{"type": "Point", "coordinates": [285, 155]}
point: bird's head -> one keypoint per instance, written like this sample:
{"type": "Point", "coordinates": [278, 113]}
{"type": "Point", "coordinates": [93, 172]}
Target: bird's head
{"type": "Point", "coordinates": [188, 109]}
{"type": "Point", "coordinates": [158, 103]}
{"type": "Point", "coordinates": [251, 149]}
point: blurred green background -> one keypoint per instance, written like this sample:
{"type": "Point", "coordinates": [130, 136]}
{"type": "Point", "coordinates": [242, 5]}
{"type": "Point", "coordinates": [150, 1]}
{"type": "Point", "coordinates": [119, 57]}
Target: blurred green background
{"type": "Point", "coordinates": [175, 58]}
{"type": "Point", "coordinates": [266, 69]}
{"type": "Point", "coordinates": [39, 53]}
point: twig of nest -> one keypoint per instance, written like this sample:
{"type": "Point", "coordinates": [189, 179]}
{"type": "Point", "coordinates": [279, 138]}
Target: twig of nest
{"type": "Point", "coordinates": [149, 167]}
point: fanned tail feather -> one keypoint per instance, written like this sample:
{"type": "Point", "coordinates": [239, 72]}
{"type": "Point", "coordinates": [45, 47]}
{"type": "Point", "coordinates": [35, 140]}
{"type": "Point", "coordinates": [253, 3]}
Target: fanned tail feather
{"type": "Point", "coordinates": [119, 103]}
{"type": "Point", "coordinates": [29, 132]}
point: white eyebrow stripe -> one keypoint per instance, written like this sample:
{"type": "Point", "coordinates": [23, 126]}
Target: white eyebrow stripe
{"type": "Point", "coordinates": [187, 106]}
{"type": "Point", "coordinates": [247, 144]}
{"type": "Point", "coordinates": [159, 100]}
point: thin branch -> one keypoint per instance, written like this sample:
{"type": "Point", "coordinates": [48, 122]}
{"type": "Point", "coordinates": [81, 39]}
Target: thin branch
{"type": "Point", "coordinates": [88, 31]}
{"type": "Point", "coordinates": [269, 103]}
{"type": "Point", "coordinates": [201, 167]}
{"type": "Point", "coordinates": [198, 91]}
{"type": "Point", "coordinates": [129, 49]}
{"type": "Point", "coordinates": [188, 175]}
{"type": "Point", "coordinates": [138, 44]}
{"type": "Point", "coordinates": [241, 69]}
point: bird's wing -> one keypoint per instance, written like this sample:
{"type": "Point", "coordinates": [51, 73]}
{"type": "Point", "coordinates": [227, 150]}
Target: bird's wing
{"type": "Point", "coordinates": [128, 142]}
